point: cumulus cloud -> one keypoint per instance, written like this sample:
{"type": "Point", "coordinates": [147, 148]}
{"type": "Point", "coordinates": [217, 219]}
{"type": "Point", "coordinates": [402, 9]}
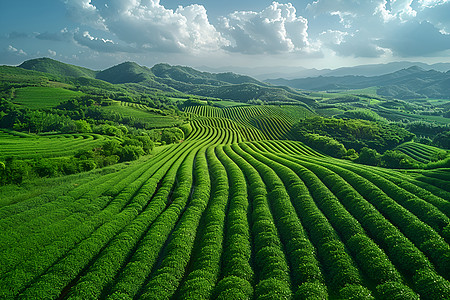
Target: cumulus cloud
{"type": "Point", "coordinates": [437, 13]}
{"type": "Point", "coordinates": [275, 29]}
{"type": "Point", "coordinates": [99, 44]}
{"type": "Point", "coordinates": [380, 27]}
{"type": "Point", "coordinates": [148, 25]}
{"type": "Point", "coordinates": [16, 51]}
{"type": "Point", "coordinates": [353, 28]}
{"type": "Point", "coordinates": [51, 52]}
{"type": "Point", "coordinates": [333, 37]}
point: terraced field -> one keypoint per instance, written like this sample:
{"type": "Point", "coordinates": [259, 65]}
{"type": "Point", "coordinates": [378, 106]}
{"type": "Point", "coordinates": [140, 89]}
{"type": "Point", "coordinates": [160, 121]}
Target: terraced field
{"type": "Point", "coordinates": [273, 122]}
{"type": "Point", "coordinates": [231, 214]}
{"type": "Point", "coordinates": [143, 113]}
{"type": "Point", "coordinates": [29, 146]}
{"type": "Point", "coordinates": [422, 153]}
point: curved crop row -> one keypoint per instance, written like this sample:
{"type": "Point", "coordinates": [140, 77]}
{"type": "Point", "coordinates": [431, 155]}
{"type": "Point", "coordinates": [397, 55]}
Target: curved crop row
{"type": "Point", "coordinates": [405, 256]}
{"type": "Point", "coordinates": [273, 279]}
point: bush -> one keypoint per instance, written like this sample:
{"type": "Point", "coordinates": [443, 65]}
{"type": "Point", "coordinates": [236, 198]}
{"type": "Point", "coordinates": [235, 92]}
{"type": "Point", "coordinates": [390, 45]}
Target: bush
{"type": "Point", "coordinates": [368, 156]}
{"type": "Point", "coordinates": [128, 152]}
{"type": "Point", "coordinates": [312, 290]}
{"type": "Point", "coordinates": [397, 160]}
{"type": "Point", "coordinates": [396, 291]}
{"type": "Point", "coordinates": [172, 135]}
{"type": "Point", "coordinates": [355, 292]}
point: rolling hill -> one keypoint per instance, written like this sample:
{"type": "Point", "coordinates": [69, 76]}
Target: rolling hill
{"type": "Point", "coordinates": [48, 65]}
{"type": "Point", "coordinates": [411, 83]}
{"type": "Point", "coordinates": [231, 208]}
{"type": "Point", "coordinates": [177, 78]}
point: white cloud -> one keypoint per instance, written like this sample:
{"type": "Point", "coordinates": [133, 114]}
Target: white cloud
{"type": "Point", "coordinates": [13, 50]}
{"type": "Point", "coordinates": [85, 12]}
{"type": "Point", "coordinates": [432, 3]}
{"type": "Point", "coordinates": [51, 52]}
{"type": "Point", "coordinates": [276, 29]}
{"type": "Point", "coordinates": [62, 35]}
{"type": "Point", "coordinates": [333, 37]}
{"type": "Point", "coordinates": [148, 25]}
{"type": "Point", "coordinates": [99, 44]}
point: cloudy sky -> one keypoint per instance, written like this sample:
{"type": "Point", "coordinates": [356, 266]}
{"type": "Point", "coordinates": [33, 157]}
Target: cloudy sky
{"type": "Point", "coordinates": [253, 33]}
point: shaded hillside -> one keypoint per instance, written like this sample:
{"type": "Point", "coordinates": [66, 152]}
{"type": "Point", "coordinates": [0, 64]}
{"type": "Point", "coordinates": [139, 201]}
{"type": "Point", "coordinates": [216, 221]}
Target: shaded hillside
{"type": "Point", "coordinates": [190, 75]}
{"type": "Point", "coordinates": [413, 82]}
{"type": "Point", "coordinates": [169, 78]}
{"type": "Point", "coordinates": [127, 72]}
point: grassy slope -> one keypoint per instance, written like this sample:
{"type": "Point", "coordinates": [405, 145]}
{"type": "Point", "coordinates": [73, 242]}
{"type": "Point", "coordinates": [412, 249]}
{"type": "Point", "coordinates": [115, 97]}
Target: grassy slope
{"type": "Point", "coordinates": [43, 97]}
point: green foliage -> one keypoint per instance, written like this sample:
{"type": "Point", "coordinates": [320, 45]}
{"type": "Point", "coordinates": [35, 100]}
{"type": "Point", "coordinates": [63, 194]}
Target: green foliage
{"type": "Point", "coordinates": [83, 126]}
{"type": "Point", "coordinates": [363, 114]}
{"type": "Point", "coordinates": [54, 67]}
{"type": "Point", "coordinates": [442, 140]}
{"type": "Point", "coordinates": [325, 144]}
{"type": "Point", "coordinates": [172, 135]}
{"type": "Point", "coordinates": [354, 133]}
{"type": "Point", "coordinates": [43, 97]}
{"type": "Point", "coordinates": [396, 160]}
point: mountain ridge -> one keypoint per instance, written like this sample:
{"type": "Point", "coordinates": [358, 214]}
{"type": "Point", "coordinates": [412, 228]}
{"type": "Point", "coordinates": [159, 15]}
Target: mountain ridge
{"type": "Point", "coordinates": [177, 78]}
{"type": "Point", "coordinates": [411, 82]}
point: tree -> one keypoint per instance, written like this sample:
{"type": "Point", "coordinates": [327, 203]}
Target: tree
{"type": "Point", "coordinates": [172, 135]}
{"type": "Point", "coordinates": [83, 126]}
{"type": "Point", "coordinates": [369, 156]}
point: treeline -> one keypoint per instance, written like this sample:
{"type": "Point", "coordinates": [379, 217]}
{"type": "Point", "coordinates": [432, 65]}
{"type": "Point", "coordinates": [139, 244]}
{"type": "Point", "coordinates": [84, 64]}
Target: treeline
{"type": "Point", "coordinates": [65, 117]}
{"type": "Point", "coordinates": [123, 146]}
{"type": "Point", "coordinates": [429, 133]}
{"type": "Point", "coordinates": [15, 170]}
{"type": "Point", "coordinates": [364, 142]}
{"type": "Point", "coordinates": [352, 133]}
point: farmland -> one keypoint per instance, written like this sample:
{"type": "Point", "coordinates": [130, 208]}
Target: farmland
{"type": "Point", "coordinates": [203, 201]}
{"type": "Point", "coordinates": [271, 219]}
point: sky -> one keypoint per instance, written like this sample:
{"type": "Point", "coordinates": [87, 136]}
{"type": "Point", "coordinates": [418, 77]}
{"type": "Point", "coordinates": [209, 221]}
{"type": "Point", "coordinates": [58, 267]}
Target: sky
{"type": "Point", "coordinates": [242, 34]}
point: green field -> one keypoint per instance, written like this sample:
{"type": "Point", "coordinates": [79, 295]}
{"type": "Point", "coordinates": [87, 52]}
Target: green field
{"type": "Point", "coordinates": [231, 214]}
{"type": "Point", "coordinates": [43, 97]}
{"type": "Point", "coordinates": [422, 153]}
{"type": "Point", "coordinates": [154, 120]}
{"type": "Point", "coordinates": [230, 206]}
{"type": "Point", "coordinates": [37, 147]}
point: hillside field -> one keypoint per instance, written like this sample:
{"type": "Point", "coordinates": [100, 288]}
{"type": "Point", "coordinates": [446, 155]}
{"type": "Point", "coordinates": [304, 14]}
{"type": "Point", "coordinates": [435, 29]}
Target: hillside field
{"type": "Point", "coordinates": [152, 183]}
{"type": "Point", "coordinates": [269, 220]}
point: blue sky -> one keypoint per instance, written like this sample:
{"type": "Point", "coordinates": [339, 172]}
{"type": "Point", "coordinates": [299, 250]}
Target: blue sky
{"type": "Point", "coordinates": [252, 34]}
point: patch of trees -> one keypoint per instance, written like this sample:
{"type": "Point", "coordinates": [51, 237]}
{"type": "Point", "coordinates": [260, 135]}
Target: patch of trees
{"type": "Point", "coordinates": [15, 171]}
{"type": "Point", "coordinates": [353, 133]}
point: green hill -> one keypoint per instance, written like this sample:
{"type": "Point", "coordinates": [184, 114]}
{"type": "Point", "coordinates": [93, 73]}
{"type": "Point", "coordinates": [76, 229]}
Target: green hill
{"type": "Point", "coordinates": [165, 77]}
{"type": "Point", "coordinates": [190, 75]}
{"type": "Point", "coordinates": [48, 65]}
{"type": "Point", "coordinates": [127, 72]}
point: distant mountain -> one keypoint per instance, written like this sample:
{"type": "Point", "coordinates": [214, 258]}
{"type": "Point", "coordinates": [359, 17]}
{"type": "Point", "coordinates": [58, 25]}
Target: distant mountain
{"type": "Point", "coordinates": [190, 75]}
{"type": "Point", "coordinates": [48, 65]}
{"type": "Point", "coordinates": [362, 70]}
{"type": "Point", "coordinates": [127, 72]}
{"type": "Point", "coordinates": [176, 78]}
{"type": "Point", "coordinates": [412, 82]}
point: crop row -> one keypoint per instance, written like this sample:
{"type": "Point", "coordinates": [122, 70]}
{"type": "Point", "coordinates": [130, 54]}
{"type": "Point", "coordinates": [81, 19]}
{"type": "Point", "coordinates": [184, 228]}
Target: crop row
{"type": "Point", "coordinates": [375, 212]}
{"type": "Point", "coordinates": [39, 147]}
{"type": "Point", "coordinates": [163, 210]}
{"type": "Point", "coordinates": [420, 152]}
{"type": "Point", "coordinates": [202, 129]}
{"type": "Point", "coordinates": [84, 238]}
